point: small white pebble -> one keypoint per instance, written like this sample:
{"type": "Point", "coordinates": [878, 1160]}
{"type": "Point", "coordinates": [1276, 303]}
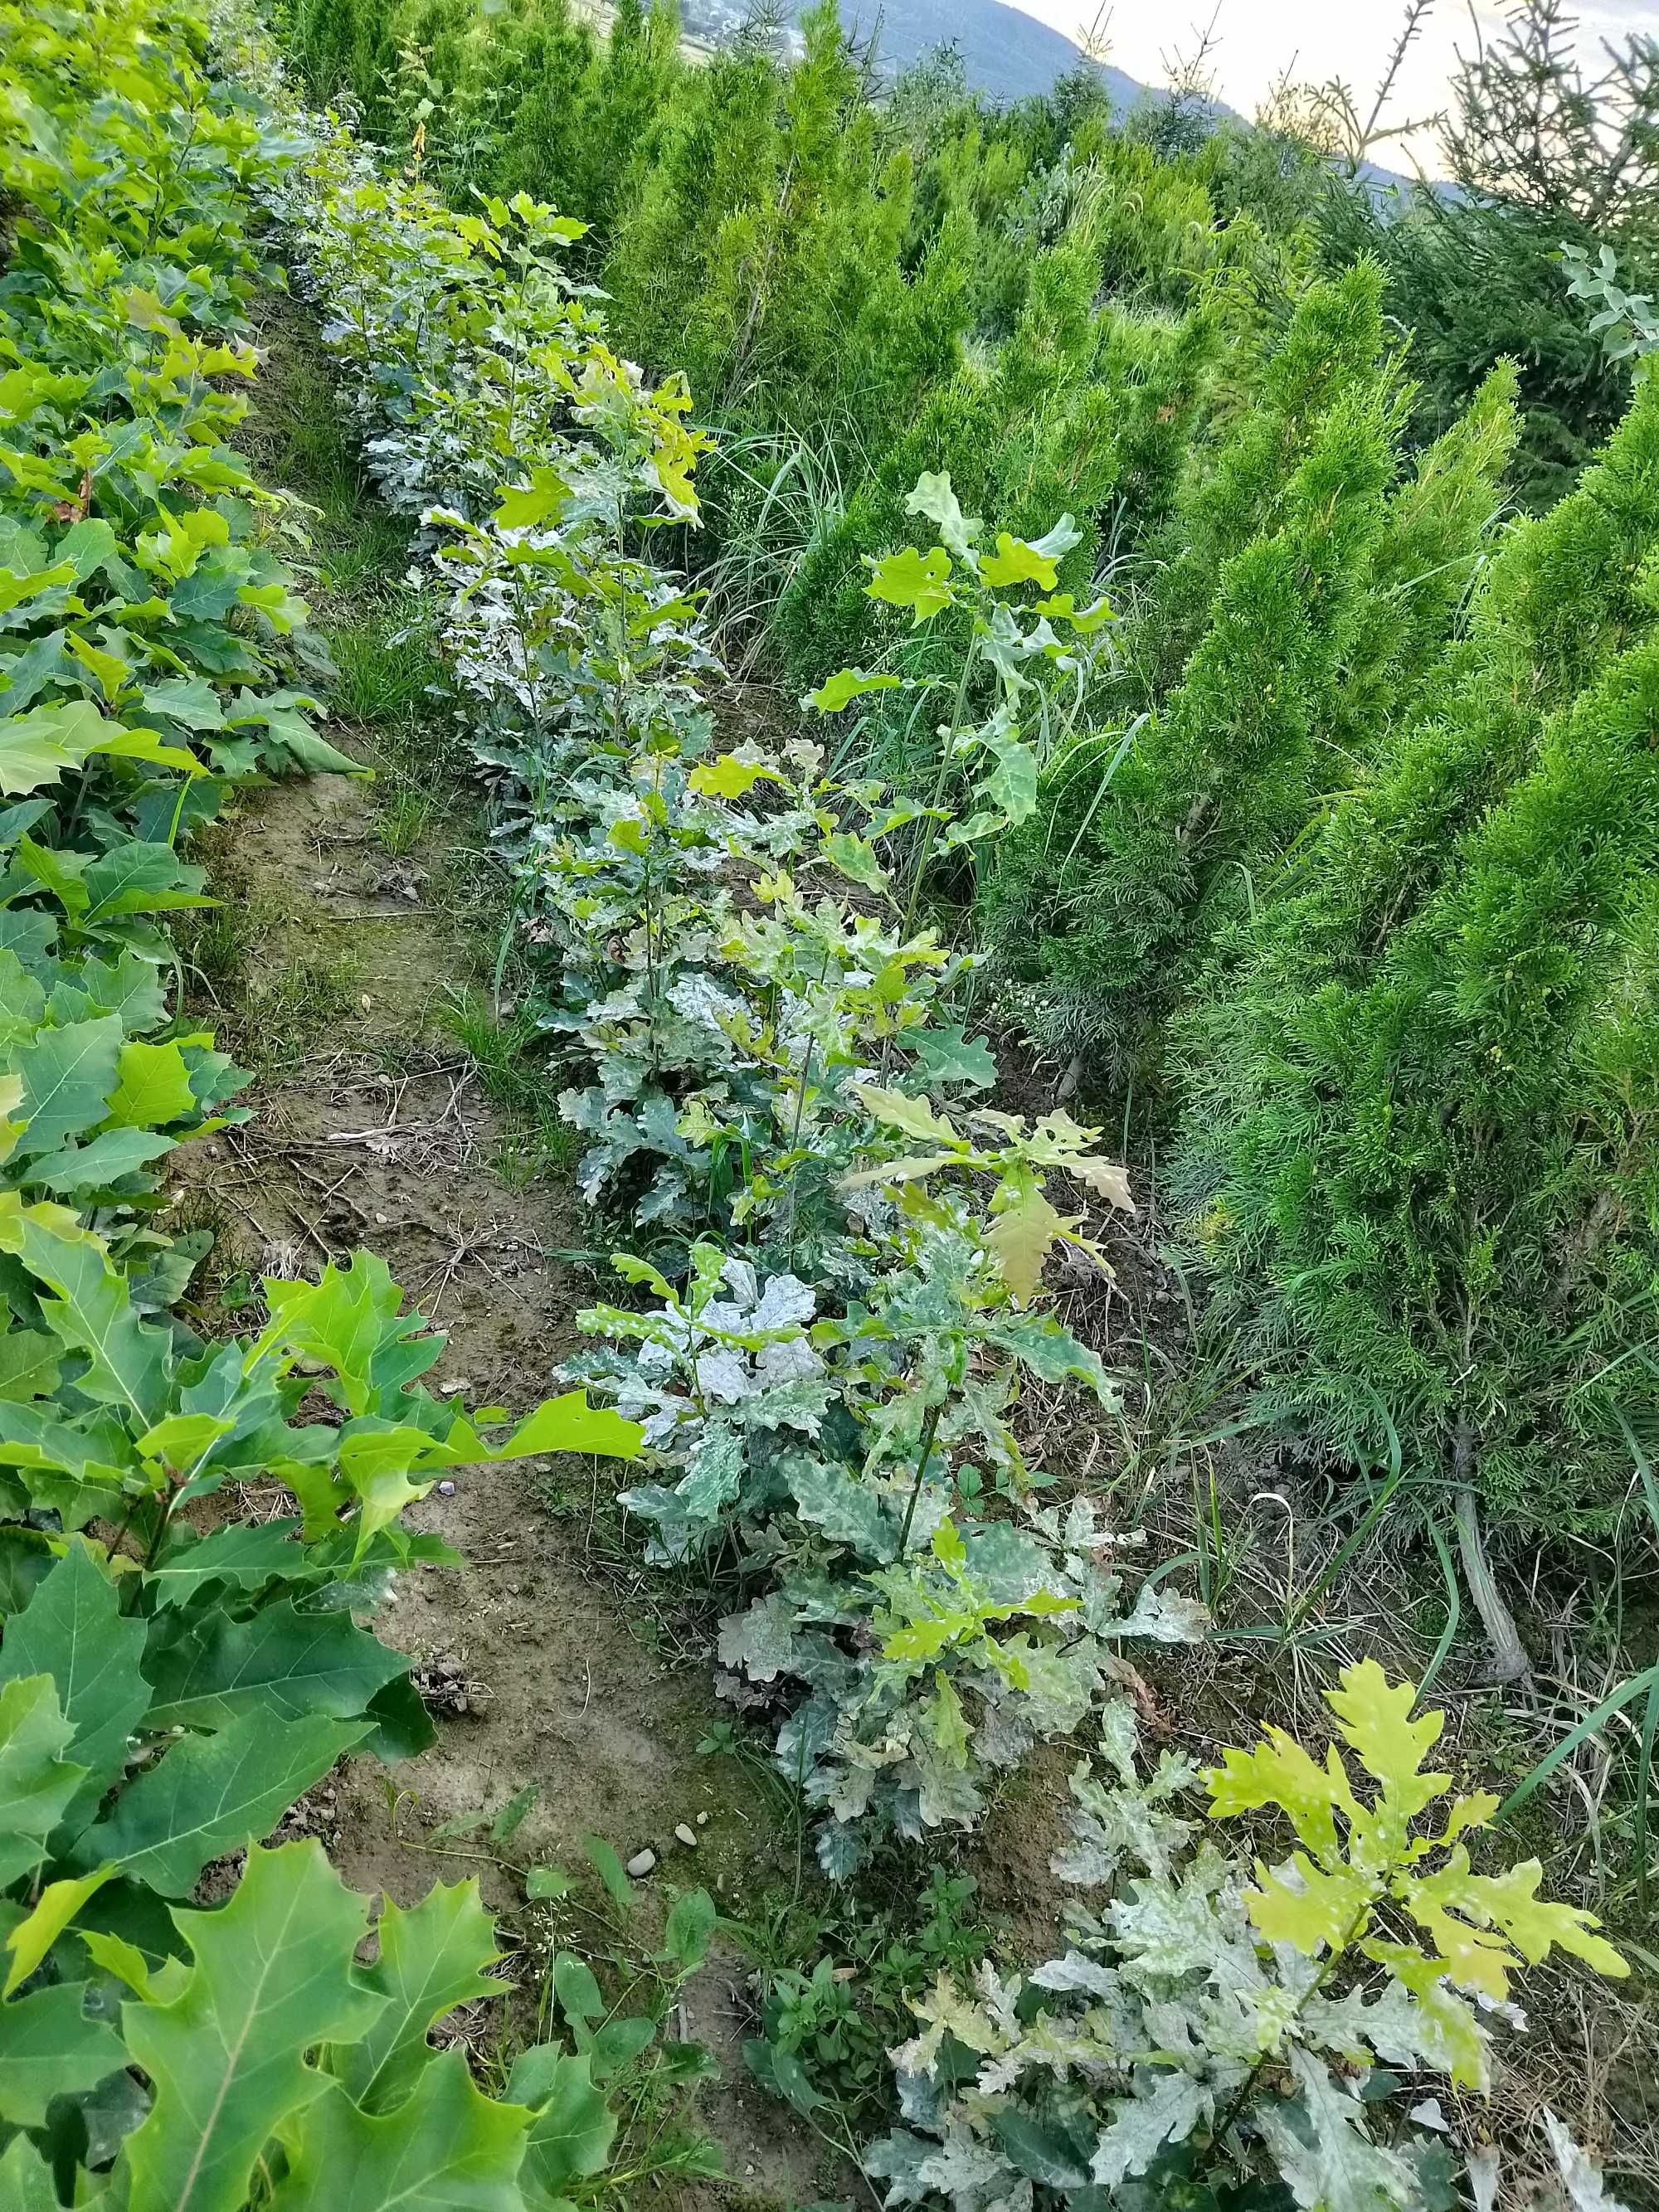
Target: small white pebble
{"type": "Point", "coordinates": [687, 1836]}
{"type": "Point", "coordinates": [641, 1864]}
{"type": "Point", "coordinates": [446, 1490]}
{"type": "Point", "coordinates": [703, 1820]}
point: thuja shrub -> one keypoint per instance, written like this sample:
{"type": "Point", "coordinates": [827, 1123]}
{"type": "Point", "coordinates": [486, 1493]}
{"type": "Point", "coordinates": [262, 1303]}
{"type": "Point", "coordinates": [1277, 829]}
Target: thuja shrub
{"type": "Point", "coordinates": [1328, 602]}
{"type": "Point", "coordinates": [1078, 411]}
{"type": "Point", "coordinates": [1100, 901]}
{"type": "Point", "coordinates": [1416, 1149]}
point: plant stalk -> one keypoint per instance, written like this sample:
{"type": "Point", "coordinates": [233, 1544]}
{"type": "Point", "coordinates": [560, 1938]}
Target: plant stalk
{"type": "Point", "coordinates": [930, 1430]}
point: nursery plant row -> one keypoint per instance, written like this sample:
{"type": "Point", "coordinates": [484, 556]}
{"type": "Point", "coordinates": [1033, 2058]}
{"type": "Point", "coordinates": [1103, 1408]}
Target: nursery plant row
{"type": "Point", "coordinates": [826, 1329]}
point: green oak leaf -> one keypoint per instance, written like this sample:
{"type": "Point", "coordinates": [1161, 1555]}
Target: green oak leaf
{"type": "Point", "coordinates": [50, 2048]}
{"type": "Point", "coordinates": [728, 777]}
{"type": "Point", "coordinates": [36, 1780]}
{"type": "Point", "coordinates": [68, 1073]}
{"type": "Point", "coordinates": [283, 1661]}
{"type": "Point", "coordinates": [432, 1959]}
{"type": "Point", "coordinates": [528, 506]}
{"type": "Point", "coordinates": [1011, 785]}
{"type": "Point", "coordinates": [447, 2149]}
{"type": "Point", "coordinates": [855, 860]}
{"type": "Point", "coordinates": [948, 1055]}
{"type": "Point", "coordinates": [1014, 562]}
{"type": "Point", "coordinates": [154, 1086]}
{"type": "Point", "coordinates": [840, 690]}
{"type": "Point", "coordinates": [212, 1794]}
{"type": "Point", "coordinates": [573, 2128]}
{"type": "Point", "coordinates": [272, 1978]}
{"type": "Point", "coordinates": [920, 581]}
{"type": "Point", "coordinates": [72, 1630]}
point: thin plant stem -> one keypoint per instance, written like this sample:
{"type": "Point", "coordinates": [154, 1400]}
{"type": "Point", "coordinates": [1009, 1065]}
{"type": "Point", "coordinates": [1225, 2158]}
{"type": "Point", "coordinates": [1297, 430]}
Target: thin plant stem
{"type": "Point", "coordinates": [930, 1430]}
{"type": "Point", "coordinates": [947, 754]}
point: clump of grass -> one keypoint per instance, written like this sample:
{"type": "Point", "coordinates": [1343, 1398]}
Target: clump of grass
{"type": "Point", "coordinates": [216, 942]}
{"type": "Point", "coordinates": [403, 817]}
{"type": "Point", "coordinates": [285, 1009]}
{"type": "Point", "coordinates": [387, 670]}
{"type": "Point", "coordinates": [537, 1142]}
{"type": "Point", "coordinates": [371, 550]}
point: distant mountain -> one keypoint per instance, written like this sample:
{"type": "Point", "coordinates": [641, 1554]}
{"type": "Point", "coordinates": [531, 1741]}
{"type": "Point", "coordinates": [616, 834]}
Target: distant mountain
{"type": "Point", "coordinates": [1008, 54]}
{"type": "Point", "coordinates": [1005, 51]}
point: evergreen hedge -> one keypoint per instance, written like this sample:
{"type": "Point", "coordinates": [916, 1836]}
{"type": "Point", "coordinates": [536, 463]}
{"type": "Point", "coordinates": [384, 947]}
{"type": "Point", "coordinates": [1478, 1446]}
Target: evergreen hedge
{"type": "Point", "coordinates": [1417, 1154]}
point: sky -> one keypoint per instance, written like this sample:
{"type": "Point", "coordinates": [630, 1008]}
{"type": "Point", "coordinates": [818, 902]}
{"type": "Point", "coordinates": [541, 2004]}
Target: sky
{"type": "Point", "coordinates": [1349, 38]}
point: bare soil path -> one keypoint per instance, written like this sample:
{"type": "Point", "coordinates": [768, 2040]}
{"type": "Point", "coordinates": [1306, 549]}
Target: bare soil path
{"type": "Point", "coordinates": [353, 928]}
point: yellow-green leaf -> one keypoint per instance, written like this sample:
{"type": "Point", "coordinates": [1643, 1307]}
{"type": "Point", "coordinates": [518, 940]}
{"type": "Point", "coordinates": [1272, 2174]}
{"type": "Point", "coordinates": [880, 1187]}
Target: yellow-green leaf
{"type": "Point", "coordinates": [1279, 1771]}
{"type": "Point", "coordinates": [911, 1169]}
{"type": "Point", "coordinates": [148, 746]}
{"type": "Point", "coordinates": [855, 860]}
{"type": "Point", "coordinates": [107, 670]}
{"type": "Point", "coordinates": [1510, 1901]}
{"type": "Point", "coordinates": [920, 581]}
{"type": "Point", "coordinates": [846, 685]}
{"type": "Point", "coordinates": [1084, 621]}
{"type": "Point", "coordinates": [1022, 1239]}
{"type": "Point", "coordinates": [1374, 1716]}
{"type": "Point", "coordinates": [897, 1110]}
{"type": "Point", "coordinates": [1325, 1911]}
{"type": "Point", "coordinates": [526, 506]}
{"type": "Point", "coordinates": [947, 1723]}
{"type": "Point", "coordinates": [182, 1439]}
{"type": "Point", "coordinates": [36, 748]}
{"type": "Point", "coordinates": [948, 1546]}
{"type": "Point", "coordinates": [1014, 562]}
{"type": "Point", "coordinates": [729, 777]}
{"type": "Point", "coordinates": [57, 1906]}
{"type": "Point", "coordinates": [153, 1088]}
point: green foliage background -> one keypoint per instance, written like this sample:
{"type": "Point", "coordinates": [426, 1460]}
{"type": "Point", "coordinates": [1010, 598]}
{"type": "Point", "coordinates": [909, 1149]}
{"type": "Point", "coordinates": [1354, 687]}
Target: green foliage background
{"type": "Point", "coordinates": [1343, 871]}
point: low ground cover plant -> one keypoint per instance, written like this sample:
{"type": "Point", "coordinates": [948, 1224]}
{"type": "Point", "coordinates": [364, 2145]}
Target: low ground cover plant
{"type": "Point", "coordinates": [1208, 2030]}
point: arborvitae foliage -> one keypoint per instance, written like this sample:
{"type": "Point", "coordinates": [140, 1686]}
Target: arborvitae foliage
{"type": "Point", "coordinates": [1435, 535]}
{"type": "Point", "coordinates": [346, 46]}
{"type": "Point", "coordinates": [539, 66]}
{"type": "Point", "coordinates": [1240, 490]}
{"type": "Point", "coordinates": [1417, 1149]}
{"type": "Point", "coordinates": [1102, 904]}
{"type": "Point", "coordinates": [1030, 436]}
{"type": "Point", "coordinates": [1087, 407]}
{"type": "Point", "coordinates": [635, 76]}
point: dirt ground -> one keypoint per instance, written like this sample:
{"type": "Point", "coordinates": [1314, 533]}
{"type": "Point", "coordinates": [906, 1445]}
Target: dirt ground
{"type": "Point", "coordinates": [540, 1673]}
